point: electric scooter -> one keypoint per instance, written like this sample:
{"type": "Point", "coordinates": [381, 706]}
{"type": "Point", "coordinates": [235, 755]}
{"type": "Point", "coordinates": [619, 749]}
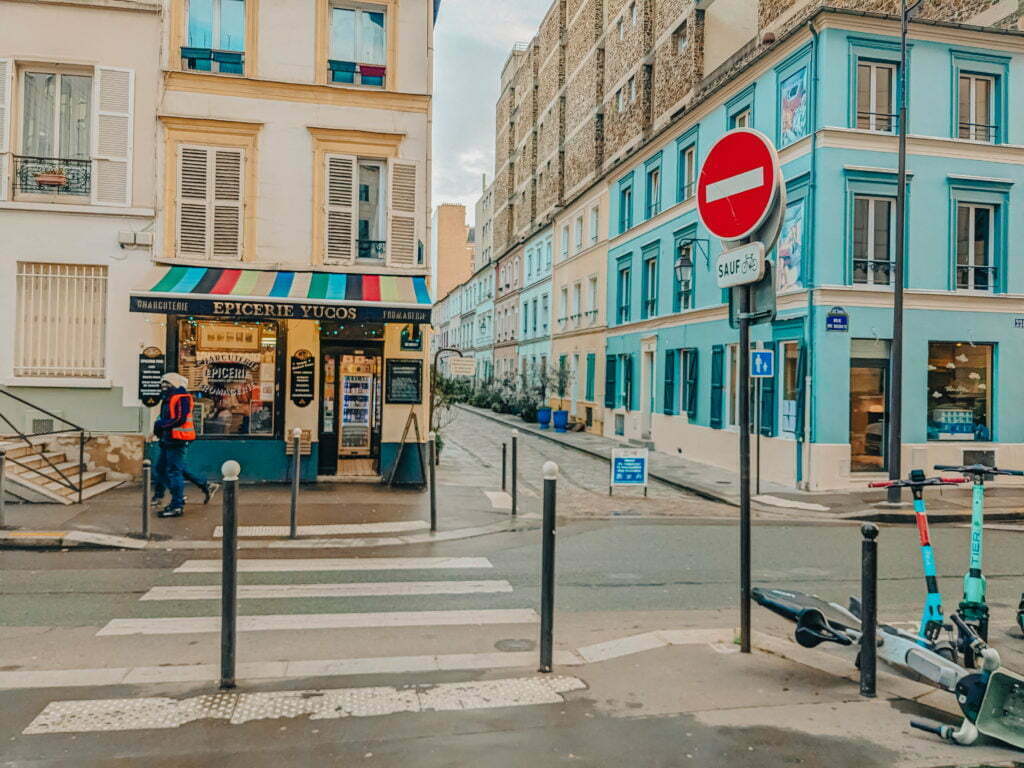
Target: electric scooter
{"type": "Point", "coordinates": [972, 608]}
{"type": "Point", "coordinates": [932, 621]}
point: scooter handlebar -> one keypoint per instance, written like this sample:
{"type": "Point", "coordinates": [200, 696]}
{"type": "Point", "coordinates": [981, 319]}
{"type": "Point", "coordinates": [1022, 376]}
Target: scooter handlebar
{"type": "Point", "coordinates": [914, 484]}
{"type": "Point", "coordinates": [882, 484]}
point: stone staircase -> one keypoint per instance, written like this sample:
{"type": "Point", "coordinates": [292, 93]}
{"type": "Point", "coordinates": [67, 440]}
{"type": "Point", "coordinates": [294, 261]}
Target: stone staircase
{"type": "Point", "coordinates": [34, 467]}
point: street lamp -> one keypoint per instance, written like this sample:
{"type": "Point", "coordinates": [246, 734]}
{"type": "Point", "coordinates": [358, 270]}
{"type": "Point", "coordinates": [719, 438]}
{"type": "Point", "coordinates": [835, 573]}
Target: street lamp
{"type": "Point", "coordinates": [684, 266]}
{"type": "Point", "coordinates": [896, 353]}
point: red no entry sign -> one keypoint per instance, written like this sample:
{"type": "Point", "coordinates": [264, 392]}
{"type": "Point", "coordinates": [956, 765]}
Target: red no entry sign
{"type": "Point", "coordinates": [738, 185]}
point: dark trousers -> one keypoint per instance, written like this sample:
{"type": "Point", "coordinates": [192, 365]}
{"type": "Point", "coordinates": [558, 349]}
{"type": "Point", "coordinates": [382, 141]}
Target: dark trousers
{"type": "Point", "coordinates": [170, 472]}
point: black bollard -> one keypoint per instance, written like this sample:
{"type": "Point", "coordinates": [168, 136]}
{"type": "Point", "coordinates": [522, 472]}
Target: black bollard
{"type": "Point", "coordinates": [504, 459]}
{"type": "Point", "coordinates": [432, 450]}
{"type": "Point", "coordinates": [547, 576]}
{"type": "Point", "coordinates": [868, 608]}
{"type": "Point", "coordinates": [229, 575]}
{"type": "Point", "coordinates": [515, 499]}
{"type": "Point", "coordinates": [3, 489]}
{"type": "Point", "coordinates": [293, 530]}
{"type": "Point", "coordinates": [147, 482]}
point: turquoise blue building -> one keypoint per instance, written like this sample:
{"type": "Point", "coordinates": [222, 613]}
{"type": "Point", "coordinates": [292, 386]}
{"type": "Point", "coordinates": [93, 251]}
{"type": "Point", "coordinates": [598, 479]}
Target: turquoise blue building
{"type": "Point", "coordinates": [826, 96]}
{"type": "Point", "coordinates": [535, 306]}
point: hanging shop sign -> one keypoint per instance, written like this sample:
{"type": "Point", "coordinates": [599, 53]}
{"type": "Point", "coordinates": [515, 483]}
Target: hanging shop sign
{"type": "Point", "coordinates": [404, 382]}
{"type": "Point", "coordinates": [302, 373]}
{"type": "Point", "coordinates": [151, 368]}
{"type": "Point", "coordinates": [412, 338]}
{"type": "Point", "coordinates": [183, 305]}
{"type": "Point", "coordinates": [462, 366]}
{"type": "Point", "coordinates": [837, 319]}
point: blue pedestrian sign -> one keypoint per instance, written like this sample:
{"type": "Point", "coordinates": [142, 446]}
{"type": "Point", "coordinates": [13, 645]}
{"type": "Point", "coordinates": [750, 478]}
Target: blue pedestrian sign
{"type": "Point", "coordinates": [762, 363]}
{"type": "Point", "coordinates": [629, 467]}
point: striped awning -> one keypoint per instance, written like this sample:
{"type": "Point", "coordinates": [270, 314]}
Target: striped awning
{"type": "Point", "coordinates": [296, 295]}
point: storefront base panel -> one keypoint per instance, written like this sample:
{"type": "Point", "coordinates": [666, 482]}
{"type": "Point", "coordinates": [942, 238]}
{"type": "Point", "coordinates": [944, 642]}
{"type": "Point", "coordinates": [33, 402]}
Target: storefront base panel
{"type": "Point", "coordinates": [263, 461]}
{"type": "Point", "coordinates": [410, 470]}
{"type": "Point", "coordinates": [94, 409]}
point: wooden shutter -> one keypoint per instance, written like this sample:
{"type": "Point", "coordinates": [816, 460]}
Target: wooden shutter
{"type": "Point", "coordinates": [610, 364]}
{"type": "Point", "coordinates": [717, 385]}
{"type": "Point", "coordinates": [6, 88]}
{"type": "Point", "coordinates": [768, 400]}
{"type": "Point", "coordinates": [627, 382]}
{"type": "Point", "coordinates": [691, 384]}
{"type": "Point", "coordinates": [402, 213]}
{"type": "Point", "coordinates": [341, 211]}
{"type": "Point", "coordinates": [591, 363]}
{"type": "Point", "coordinates": [669, 406]}
{"type": "Point", "coordinates": [193, 202]}
{"type": "Point", "coordinates": [227, 197]}
{"type": "Point", "coordinates": [112, 135]}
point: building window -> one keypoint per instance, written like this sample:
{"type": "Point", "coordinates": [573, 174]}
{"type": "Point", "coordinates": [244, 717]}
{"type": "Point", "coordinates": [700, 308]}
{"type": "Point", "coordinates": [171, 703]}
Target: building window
{"type": "Point", "coordinates": [594, 215]}
{"type": "Point", "coordinates": [688, 383]}
{"type": "Point", "coordinates": [545, 311]}
{"type": "Point", "coordinates": [232, 372]}
{"type": "Point", "coordinates": [976, 108]}
{"type": "Point", "coordinates": [563, 307]}
{"type": "Point", "coordinates": [653, 192]}
{"type": "Point", "coordinates": [632, 89]}
{"type": "Point", "coordinates": [687, 172]}
{"type": "Point", "coordinates": [565, 241]}
{"type": "Point", "coordinates": [789, 357]}
{"type": "Point", "coordinates": [579, 232]}
{"type": "Point", "coordinates": [619, 102]}
{"type": "Point", "coordinates": [959, 391]}
{"type": "Point", "coordinates": [975, 265]}
{"type": "Point", "coordinates": [623, 292]}
{"type": "Point", "coordinates": [680, 39]}
{"type": "Point", "coordinates": [873, 224]}
{"type": "Point", "coordinates": [683, 268]}
{"type": "Point", "coordinates": [61, 320]}
{"type": "Point", "coordinates": [592, 298]}
{"type": "Point", "coordinates": [741, 119]}
{"type": "Point", "coordinates": [732, 385]}
{"type": "Point", "coordinates": [358, 45]}
{"type": "Point", "coordinates": [534, 326]}
{"type": "Point", "coordinates": [649, 308]}
{"type": "Point", "coordinates": [216, 37]}
{"type": "Point", "coordinates": [876, 84]}
{"type": "Point", "coordinates": [577, 298]}
{"type": "Point", "coordinates": [622, 29]}
{"type": "Point", "coordinates": [210, 202]}
{"type": "Point", "coordinates": [632, 14]}
{"type": "Point", "coordinates": [625, 207]}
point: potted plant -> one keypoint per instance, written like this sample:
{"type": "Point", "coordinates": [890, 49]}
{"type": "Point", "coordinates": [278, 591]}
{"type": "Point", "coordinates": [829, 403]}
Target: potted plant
{"type": "Point", "coordinates": [561, 380]}
{"type": "Point", "coordinates": [52, 177]}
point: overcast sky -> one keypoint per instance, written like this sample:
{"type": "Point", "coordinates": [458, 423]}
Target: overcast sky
{"type": "Point", "coordinates": [472, 40]}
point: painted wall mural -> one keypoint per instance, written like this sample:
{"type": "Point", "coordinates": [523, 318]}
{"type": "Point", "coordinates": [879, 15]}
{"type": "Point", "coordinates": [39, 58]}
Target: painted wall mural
{"type": "Point", "coordinates": [793, 124]}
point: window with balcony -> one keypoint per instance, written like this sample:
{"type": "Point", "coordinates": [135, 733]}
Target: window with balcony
{"type": "Point", "coordinates": [358, 54]}
{"type": "Point", "coordinates": [653, 192]}
{"type": "Point", "coordinates": [563, 306]}
{"type": "Point", "coordinates": [577, 298]}
{"type": "Point", "coordinates": [876, 83]}
{"type": "Point", "coordinates": [215, 37]}
{"type": "Point", "coordinates": [975, 248]}
{"type": "Point", "coordinates": [649, 308]}
{"type": "Point", "coordinates": [873, 226]}
{"type": "Point", "coordinates": [592, 298]}
{"type": "Point", "coordinates": [623, 292]}
{"type": "Point", "coordinates": [975, 106]}
{"type": "Point", "coordinates": [579, 232]}
{"type": "Point", "coordinates": [625, 207]}
{"type": "Point", "coordinates": [594, 216]}
{"type": "Point", "coordinates": [565, 241]}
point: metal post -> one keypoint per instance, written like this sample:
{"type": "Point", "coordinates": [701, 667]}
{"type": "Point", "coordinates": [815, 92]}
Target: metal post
{"type": "Point", "coordinates": [3, 489]}
{"type": "Point", "coordinates": [296, 473]}
{"type": "Point", "coordinates": [895, 416]}
{"type": "Point", "coordinates": [432, 452]}
{"type": "Point", "coordinates": [147, 482]}
{"type": "Point", "coordinates": [757, 434]}
{"type": "Point", "coordinates": [744, 382]}
{"type": "Point", "coordinates": [229, 575]}
{"type": "Point", "coordinates": [868, 608]}
{"type": "Point", "coordinates": [547, 575]}
{"type": "Point", "coordinates": [504, 460]}
{"type": "Point", "coordinates": [515, 473]}
{"type": "Point", "coordinates": [81, 465]}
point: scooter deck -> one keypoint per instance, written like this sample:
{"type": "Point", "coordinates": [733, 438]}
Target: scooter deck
{"type": "Point", "coordinates": [792, 605]}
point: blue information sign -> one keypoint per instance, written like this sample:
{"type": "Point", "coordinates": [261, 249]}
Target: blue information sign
{"type": "Point", "coordinates": [629, 466]}
{"type": "Point", "coordinates": [762, 363]}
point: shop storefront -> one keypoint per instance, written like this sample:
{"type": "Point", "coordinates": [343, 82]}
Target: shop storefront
{"type": "Point", "coordinates": [338, 356]}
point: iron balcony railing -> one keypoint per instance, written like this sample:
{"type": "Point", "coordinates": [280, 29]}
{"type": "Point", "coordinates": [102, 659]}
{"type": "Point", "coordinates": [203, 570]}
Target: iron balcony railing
{"type": "Point", "coordinates": [884, 122]}
{"type": "Point", "coordinates": [371, 249]}
{"type": "Point", "coordinates": [213, 60]}
{"type": "Point", "coordinates": [978, 131]}
{"type": "Point", "coordinates": [52, 176]}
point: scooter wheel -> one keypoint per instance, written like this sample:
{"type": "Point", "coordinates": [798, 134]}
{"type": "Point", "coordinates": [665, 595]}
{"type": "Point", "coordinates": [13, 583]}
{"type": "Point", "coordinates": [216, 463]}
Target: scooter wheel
{"type": "Point", "coordinates": [1020, 621]}
{"type": "Point", "coordinates": [946, 651]}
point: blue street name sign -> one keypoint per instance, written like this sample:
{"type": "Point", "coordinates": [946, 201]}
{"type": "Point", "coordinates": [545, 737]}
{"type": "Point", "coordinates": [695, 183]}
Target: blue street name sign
{"type": "Point", "coordinates": [837, 320]}
{"type": "Point", "coordinates": [762, 363]}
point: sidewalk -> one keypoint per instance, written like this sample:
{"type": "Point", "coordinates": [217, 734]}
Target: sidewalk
{"type": "Point", "coordinates": [950, 505]}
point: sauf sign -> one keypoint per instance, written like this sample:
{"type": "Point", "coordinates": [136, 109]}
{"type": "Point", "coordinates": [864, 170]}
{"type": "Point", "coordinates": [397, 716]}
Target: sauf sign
{"type": "Point", "coordinates": [740, 266]}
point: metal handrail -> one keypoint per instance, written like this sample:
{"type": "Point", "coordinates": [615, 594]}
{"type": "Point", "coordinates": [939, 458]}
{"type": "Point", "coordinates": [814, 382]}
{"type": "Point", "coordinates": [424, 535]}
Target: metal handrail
{"type": "Point", "coordinates": [72, 427]}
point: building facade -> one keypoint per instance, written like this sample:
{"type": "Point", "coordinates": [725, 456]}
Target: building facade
{"type": "Point", "coordinates": [534, 347]}
{"type": "Point", "coordinates": [508, 271]}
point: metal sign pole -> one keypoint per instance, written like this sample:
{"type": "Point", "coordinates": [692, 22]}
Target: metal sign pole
{"type": "Point", "coordinates": [757, 433]}
{"type": "Point", "coordinates": [293, 520]}
{"type": "Point", "coordinates": [744, 409]}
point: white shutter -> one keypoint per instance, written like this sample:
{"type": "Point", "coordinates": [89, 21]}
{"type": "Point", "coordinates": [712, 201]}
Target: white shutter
{"type": "Point", "coordinates": [402, 213]}
{"type": "Point", "coordinates": [6, 87]}
{"type": "Point", "coordinates": [340, 213]}
{"type": "Point", "coordinates": [227, 203]}
{"type": "Point", "coordinates": [114, 99]}
{"type": "Point", "coordinates": [193, 202]}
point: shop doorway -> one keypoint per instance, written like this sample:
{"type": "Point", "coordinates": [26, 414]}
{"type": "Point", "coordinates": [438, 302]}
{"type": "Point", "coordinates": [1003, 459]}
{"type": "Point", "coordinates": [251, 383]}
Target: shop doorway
{"type": "Point", "coordinates": [350, 409]}
{"type": "Point", "coordinates": [869, 390]}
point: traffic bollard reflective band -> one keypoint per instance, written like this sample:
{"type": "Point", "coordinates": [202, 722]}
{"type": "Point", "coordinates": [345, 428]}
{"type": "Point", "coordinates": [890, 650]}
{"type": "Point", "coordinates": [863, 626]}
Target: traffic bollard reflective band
{"type": "Point", "coordinates": [432, 450]}
{"type": "Point", "coordinates": [229, 575]}
{"type": "Point", "coordinates": [293, 522]}
{"type": "Point", "coordinates": [868, 608]}
{"type": "Point", "coordinates": [147, 482]}
{"type": "Point", "coordinates": [547, 590]}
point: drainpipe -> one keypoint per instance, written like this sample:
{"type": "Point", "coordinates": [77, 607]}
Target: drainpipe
{"type": "Point", "coordinates": [809, 329]}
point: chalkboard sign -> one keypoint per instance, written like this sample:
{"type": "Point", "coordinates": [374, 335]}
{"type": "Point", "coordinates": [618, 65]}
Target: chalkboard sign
{"type": "Point", "coordinates": [151, 368]}
{"type": "Point", "coordinates": [404, 381]}
{"type": "Point", "coordinates": [303, 368]}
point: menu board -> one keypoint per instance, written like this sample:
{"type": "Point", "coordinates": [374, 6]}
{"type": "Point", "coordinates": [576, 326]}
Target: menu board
{"type": "Point", "coordinates": [151, 368]}
{"type": "Point", "coordinates": [404, 383]}
{"type": "Point", "coordinates": [303, 368]}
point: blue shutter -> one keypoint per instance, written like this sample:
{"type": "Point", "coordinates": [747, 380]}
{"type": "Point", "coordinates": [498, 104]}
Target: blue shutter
{"type": "Point", "coordinates": [609, 381]}
{"type": "Point", "coordinates": [669, 406]}
{"type": "Point", "coordinates": [591, 362]}
{"type": "Point", "coordinates": [717, 385]}
{"type": "Point", "coordinates": [691, 385]}
{"type": "Point", "coordinates": [627, 382]}
{"type": "Point", "coordinates": [768, 399]}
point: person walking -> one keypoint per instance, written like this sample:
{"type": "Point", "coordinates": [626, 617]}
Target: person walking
{"type": "Point", "coordinates": [175, 430]}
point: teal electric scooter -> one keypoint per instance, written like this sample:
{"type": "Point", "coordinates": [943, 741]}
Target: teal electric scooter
{"type": "Point", "coordinates": [973, 609]}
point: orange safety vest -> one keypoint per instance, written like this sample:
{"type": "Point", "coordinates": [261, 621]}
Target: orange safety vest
{"type": "Point", "coordinates": [187, 430]}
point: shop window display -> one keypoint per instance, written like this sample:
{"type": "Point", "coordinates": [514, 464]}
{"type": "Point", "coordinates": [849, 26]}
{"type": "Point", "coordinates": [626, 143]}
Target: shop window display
{"type": "Point", "coordinates": [959, 391]}
{"type": "Point", "coordinates": [232, 372]}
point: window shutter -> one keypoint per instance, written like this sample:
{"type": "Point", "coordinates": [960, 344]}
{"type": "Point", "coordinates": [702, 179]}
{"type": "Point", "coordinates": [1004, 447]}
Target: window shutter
{"type": "Point", "coordinates": [591, 363]}
{"type": "Point", "coordinates": [402, 213]}
{"type": "Point", "coordinates": [610, 364]}
{"type": "Point", "coordinates": [193, 202]}
{"type": "Point", "coordinates": [227, 203]}
{"type": "Point", "coordinates": [668, 407]}
{"type": "Point", "coordinates": [717, 387]}
{"type": "Point", "coordinates": [768, 400]}
{"type": "Point", "coordinates": [340, 228]}
{"type": "Point", "coordinates": [6, 87]}
{"type": "Point", "coordinates": [627, 382]}
{"type": "Point", "coordinates": [801, 391]}
{"type": "Point", "coordinates": [112, 136]}
{"type": "Point", "coordinates": [691, 385]}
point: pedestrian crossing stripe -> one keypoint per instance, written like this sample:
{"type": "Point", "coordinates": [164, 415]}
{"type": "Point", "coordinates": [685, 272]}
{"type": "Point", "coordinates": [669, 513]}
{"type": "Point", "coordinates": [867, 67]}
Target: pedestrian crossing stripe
{"type": "Point", "coordinates": [356, 589]}
{"type": "Point", "coordinates": [285, 565]}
